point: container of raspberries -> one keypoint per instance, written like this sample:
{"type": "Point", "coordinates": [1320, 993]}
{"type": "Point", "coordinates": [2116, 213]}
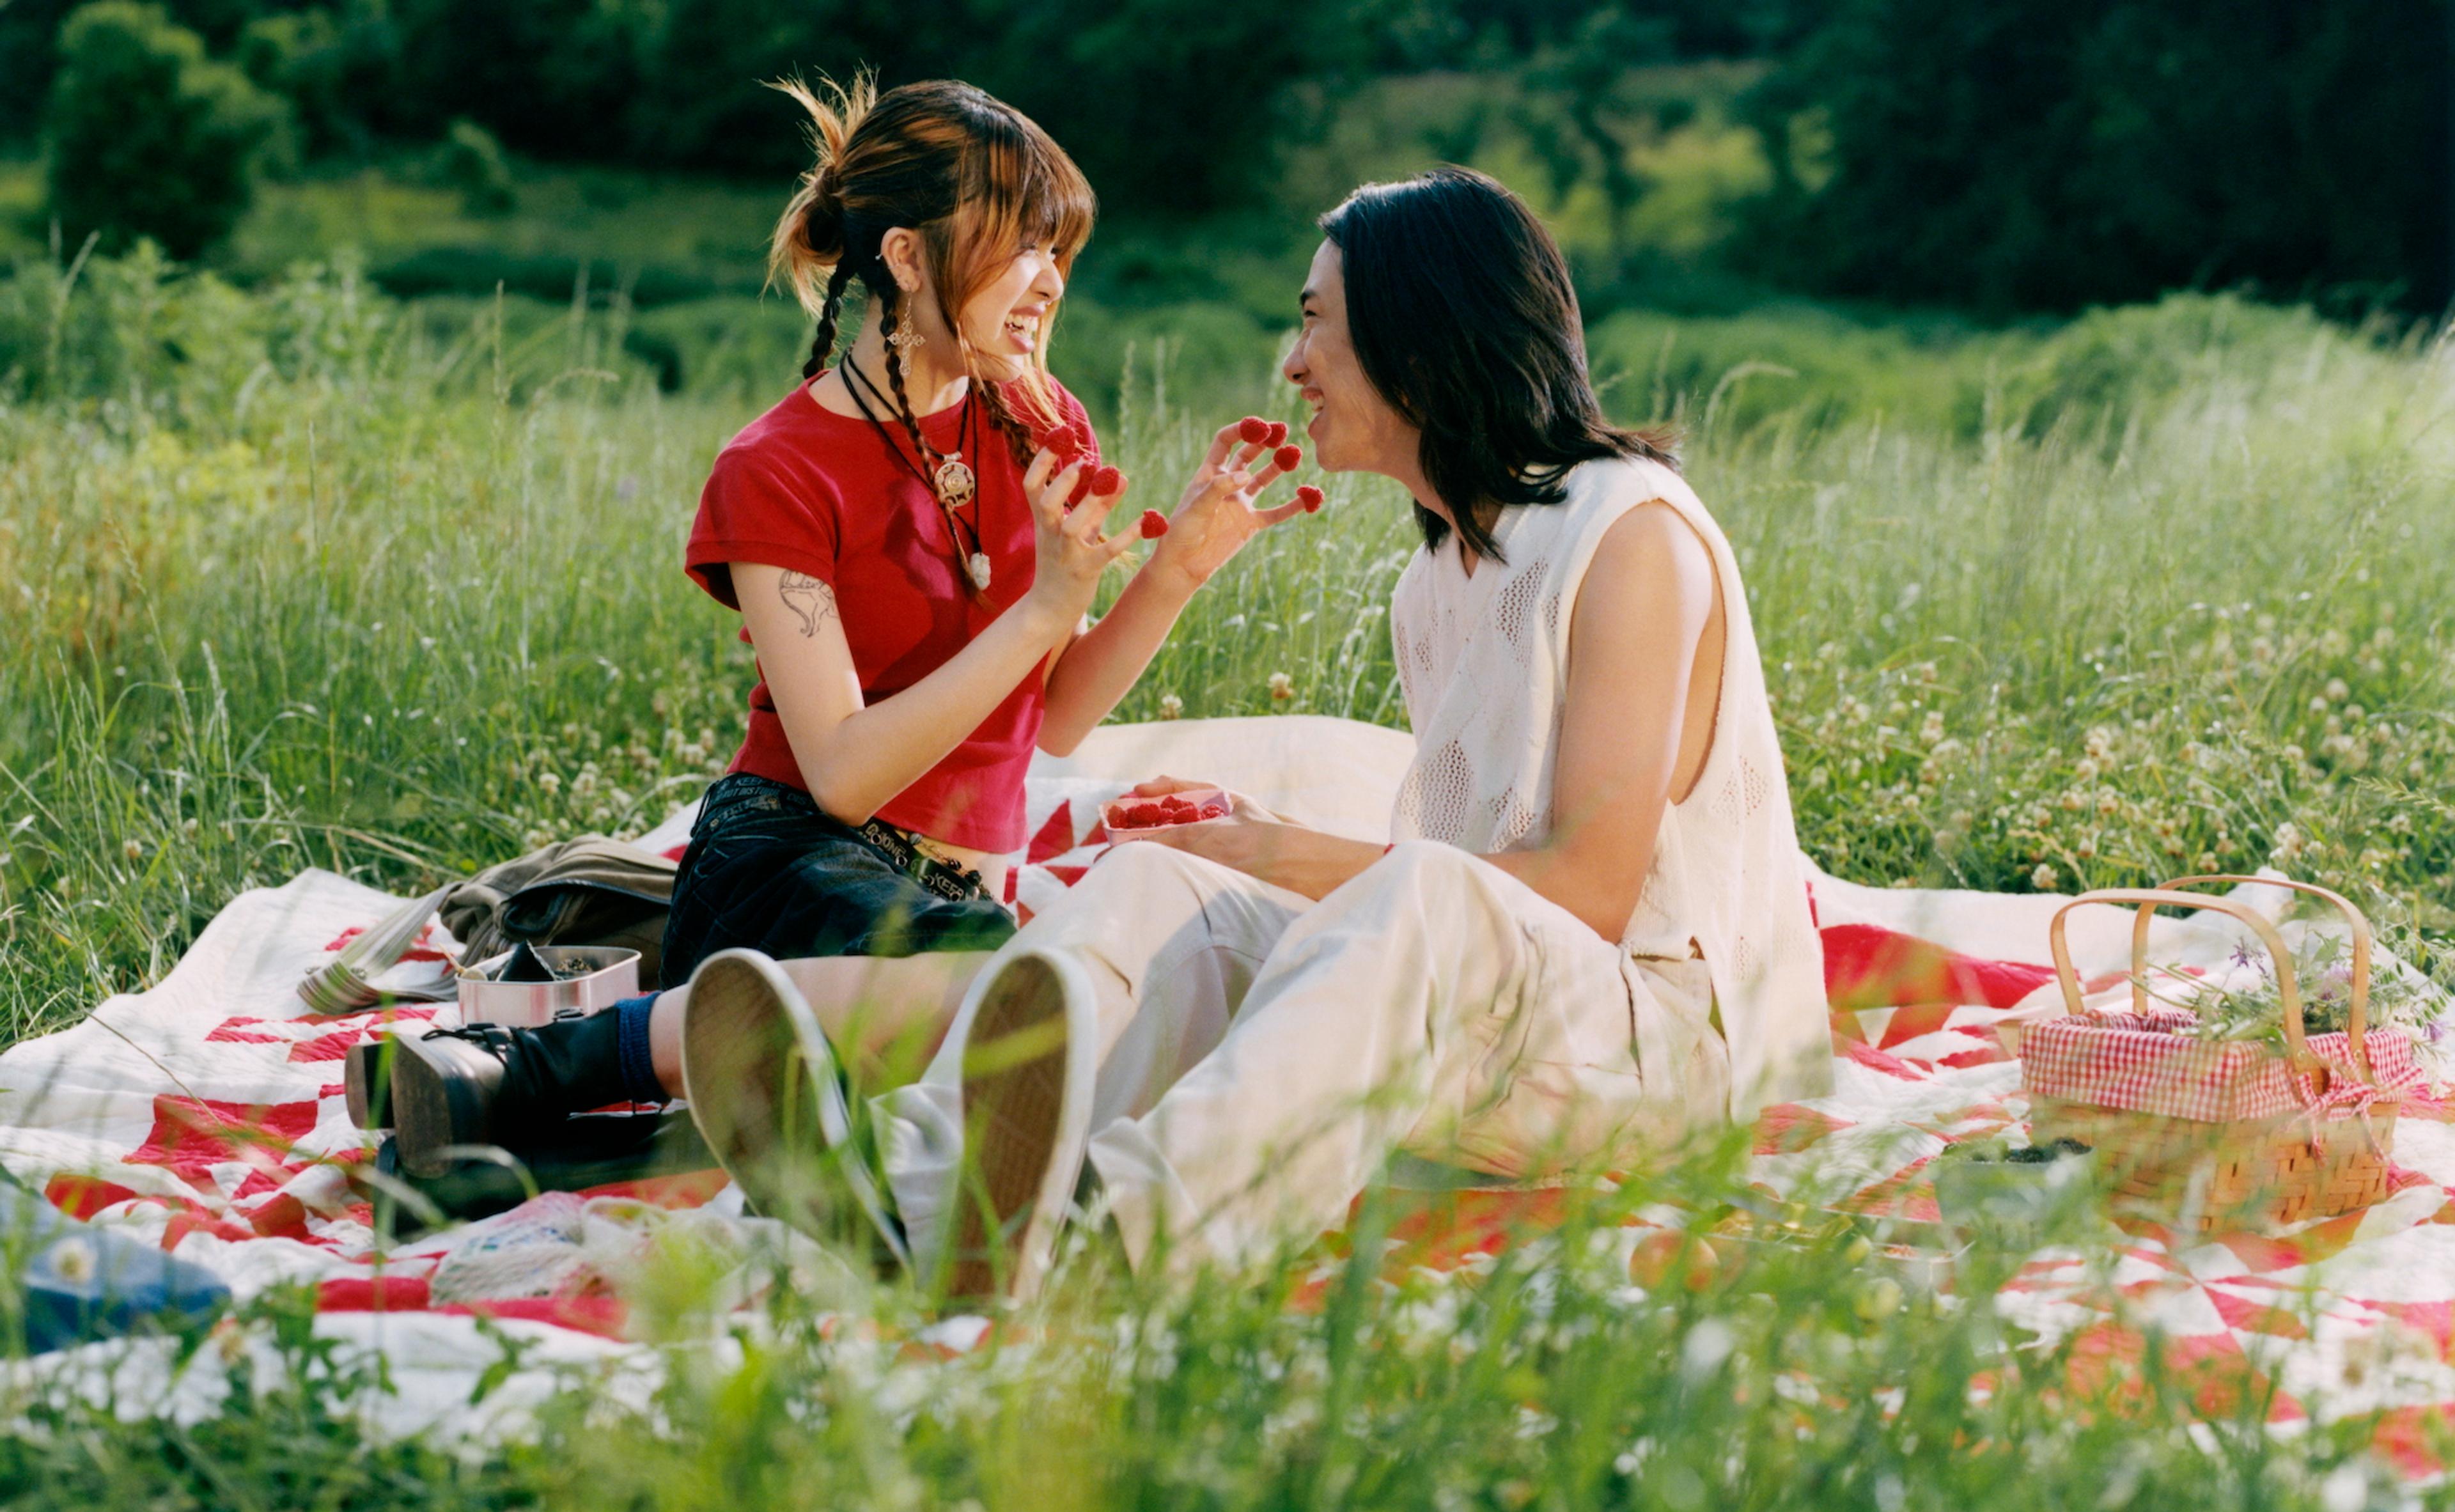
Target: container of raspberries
{"type": "Point", "coordinates": [1134, 813]}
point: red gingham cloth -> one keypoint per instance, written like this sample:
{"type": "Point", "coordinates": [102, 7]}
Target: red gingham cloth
{"type": "Point", "coordinates": [2146, 1065]}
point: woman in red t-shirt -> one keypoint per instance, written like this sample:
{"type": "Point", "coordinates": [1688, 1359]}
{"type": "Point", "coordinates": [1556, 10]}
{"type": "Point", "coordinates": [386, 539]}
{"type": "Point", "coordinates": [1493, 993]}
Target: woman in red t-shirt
{"type": "Point", "coordinates": [913, 536]}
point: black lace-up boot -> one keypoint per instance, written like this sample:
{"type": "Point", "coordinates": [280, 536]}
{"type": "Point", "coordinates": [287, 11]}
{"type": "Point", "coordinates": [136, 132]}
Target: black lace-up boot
{"type": "Point", "coordinates": [486, 1085]}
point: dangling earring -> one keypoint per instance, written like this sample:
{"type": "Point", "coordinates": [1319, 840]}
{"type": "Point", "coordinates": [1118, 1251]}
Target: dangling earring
{"type": "Point", "coordinates": [905, 338]}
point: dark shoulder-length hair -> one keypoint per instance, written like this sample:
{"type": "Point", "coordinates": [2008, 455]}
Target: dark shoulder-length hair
{"type": "Point", "coordinates": [1463, 316]}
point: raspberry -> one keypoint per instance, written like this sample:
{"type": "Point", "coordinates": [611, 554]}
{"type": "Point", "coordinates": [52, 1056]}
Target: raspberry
{"type": "Point", "coordinates": [1310, 497]}
{"type": "Point", "coordinates": [1108, 482]}
{"type": "Point", "coordinates": [1154, 525]}
{"type": "Point", "coordinates": [1145, 816]}
{"type": "Point", "coordinates": [1064, 445]}
{"type": "Point", "coordinates": [1254, 430]}
{"type": "Point", "coordinates": [1287, 459]}
{"type": "Point", "coordinates": [1278, 435]}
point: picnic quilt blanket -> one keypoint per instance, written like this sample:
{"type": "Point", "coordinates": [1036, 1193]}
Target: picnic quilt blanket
{"type": "Point", "coordinates": [206, 1115]}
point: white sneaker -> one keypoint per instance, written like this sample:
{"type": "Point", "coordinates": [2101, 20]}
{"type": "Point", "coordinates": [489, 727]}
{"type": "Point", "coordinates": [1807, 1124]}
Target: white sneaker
{"type": "Point", "coordinates": [1030, 1048]}
{"type": "Point", "coordinates": [767, 1092]}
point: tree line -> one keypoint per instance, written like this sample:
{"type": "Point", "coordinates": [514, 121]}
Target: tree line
{"type": "Point", "coordinates": [2002, 155]}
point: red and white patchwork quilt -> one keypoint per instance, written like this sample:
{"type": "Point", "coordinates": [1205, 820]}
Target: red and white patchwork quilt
{"type": "Point", "coordinates": [206, 1115]}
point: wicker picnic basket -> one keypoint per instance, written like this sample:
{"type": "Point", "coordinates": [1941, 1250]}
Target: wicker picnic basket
{"type": "Point", "coordinates": [2208, 1134]}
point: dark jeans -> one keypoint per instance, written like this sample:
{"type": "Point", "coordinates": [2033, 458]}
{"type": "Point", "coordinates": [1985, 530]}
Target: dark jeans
{"type": "Point", "coordinates": [768, 870]}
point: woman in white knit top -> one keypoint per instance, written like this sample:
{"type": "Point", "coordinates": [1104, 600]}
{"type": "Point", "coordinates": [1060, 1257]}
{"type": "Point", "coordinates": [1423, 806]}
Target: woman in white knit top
{"type": "Point", "coordinates": [1590, 935]}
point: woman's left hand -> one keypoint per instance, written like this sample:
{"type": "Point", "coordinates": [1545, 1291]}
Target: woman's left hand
{"type": "Point", "coordinates": [1215, 516]}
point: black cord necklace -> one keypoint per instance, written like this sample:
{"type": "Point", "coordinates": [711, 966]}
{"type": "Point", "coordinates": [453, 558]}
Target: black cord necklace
{"type": "Point", "coordinates": [951, 481]}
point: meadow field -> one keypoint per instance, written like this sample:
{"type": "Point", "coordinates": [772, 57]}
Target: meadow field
{"type": "Point", "coordinates": [303, 575]}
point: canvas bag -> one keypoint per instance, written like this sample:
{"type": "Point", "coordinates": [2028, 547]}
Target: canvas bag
{"type": "Point", "coordinates": [589, 891]}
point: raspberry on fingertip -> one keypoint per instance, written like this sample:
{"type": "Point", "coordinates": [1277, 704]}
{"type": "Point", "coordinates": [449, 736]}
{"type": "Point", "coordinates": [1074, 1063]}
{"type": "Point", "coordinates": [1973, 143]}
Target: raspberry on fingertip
{"type": "Point", "coordinates": [1278, 435]}
{"type": "Point", "coordinates": [1154, 525]}
{"type": "Point", "coordinates": [1310, 497]}
{"type": "Point", "coordinates": [1253, 430]}
{"type": "Point", "coordinates": [1287, 458]}
{"type": "Point", "coordinates": [1107, 481]}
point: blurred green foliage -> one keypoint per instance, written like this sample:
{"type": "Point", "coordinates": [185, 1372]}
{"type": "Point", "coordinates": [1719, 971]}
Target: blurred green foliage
{"type": "Point", "coordinates": [2044, 154]}
{"type": "Point", "coordinates": [1996, 156]}
{"type": "Point", "coordinates": [148, 136]}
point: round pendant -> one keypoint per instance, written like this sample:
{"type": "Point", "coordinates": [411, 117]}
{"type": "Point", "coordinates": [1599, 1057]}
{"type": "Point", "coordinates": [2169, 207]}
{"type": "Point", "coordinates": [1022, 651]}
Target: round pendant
{"type": "Point", "coordinates": [954, 482]}
{"type": "Point", "coordinates": [978, 565]}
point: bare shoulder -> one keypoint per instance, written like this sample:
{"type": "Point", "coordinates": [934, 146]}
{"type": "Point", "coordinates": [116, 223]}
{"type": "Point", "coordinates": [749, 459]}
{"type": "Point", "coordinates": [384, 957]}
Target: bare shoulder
{"type": "Point", "coordinates": [1653, 549]}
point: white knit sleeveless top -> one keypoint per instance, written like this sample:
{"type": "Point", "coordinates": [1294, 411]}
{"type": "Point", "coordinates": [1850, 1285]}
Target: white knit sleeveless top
{"type": "Point", "coordinates": [1484, 663]}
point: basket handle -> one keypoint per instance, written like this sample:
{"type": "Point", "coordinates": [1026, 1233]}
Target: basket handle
{"type": "Point", "coordinates": [2357, 1015]}
{"type": "Point", "coordinates": [2150, 900]}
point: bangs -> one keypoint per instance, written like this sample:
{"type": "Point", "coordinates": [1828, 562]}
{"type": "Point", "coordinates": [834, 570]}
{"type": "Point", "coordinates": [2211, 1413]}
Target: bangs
{"type": "Point", "coordinates": [1024, 190]}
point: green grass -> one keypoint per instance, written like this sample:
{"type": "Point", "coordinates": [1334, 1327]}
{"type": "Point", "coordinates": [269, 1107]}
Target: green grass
{"type": "Point", "coordinates": [303, 577]}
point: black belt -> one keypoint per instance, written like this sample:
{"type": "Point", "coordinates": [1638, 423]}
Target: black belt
{"type": "Point", "coordinates": [956, 884]}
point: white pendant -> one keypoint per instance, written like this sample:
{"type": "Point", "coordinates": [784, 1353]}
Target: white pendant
{"type": "Point", "coordinates": [977, 564]}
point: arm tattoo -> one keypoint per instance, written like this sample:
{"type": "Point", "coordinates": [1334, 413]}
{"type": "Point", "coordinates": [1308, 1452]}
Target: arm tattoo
{"type": "Point", "coordinates": [810, 599]}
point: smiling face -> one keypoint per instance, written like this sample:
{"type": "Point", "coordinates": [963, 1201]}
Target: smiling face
{"type": "Point", "coordinates": [1353, 429]}
{"type": "Point", "coordinates": [1006, 318]}
{"type": "Point", "coordinates": [1007, 321]}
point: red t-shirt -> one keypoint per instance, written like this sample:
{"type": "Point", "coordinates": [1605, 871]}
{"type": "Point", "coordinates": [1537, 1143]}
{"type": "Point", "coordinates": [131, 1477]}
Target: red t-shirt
{"type": "Point", "coordinates": [810, 490]}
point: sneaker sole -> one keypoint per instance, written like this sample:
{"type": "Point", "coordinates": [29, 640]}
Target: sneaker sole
{"type": "Point", "coordinates": [764, 1085]}
{"type": "Point", "coordinates": [1026, 1096]}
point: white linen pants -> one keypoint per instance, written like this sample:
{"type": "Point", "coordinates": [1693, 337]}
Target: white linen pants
{"type": "Point", "coordinates": [1261, 1055]}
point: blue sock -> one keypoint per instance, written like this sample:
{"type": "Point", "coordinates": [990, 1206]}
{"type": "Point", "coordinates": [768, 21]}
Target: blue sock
{"type": "Point", "coordinates": [639, 1082]}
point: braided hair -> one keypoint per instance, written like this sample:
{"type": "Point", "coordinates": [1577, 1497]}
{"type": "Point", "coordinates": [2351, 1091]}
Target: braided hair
{"type": "Point", "coordinates": [823, 348]}
{"type": "Point", "coordinates": [886, 313]}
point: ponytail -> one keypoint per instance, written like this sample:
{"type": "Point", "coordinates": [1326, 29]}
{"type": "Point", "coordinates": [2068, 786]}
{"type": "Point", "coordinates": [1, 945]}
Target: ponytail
{"type": "Point", "coordinates": [808, 242]}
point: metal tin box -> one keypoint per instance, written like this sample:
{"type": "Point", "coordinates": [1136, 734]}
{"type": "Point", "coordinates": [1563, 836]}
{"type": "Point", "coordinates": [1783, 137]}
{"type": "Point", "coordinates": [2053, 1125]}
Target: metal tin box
{"type": "Point", "coordinates": [591, 977]}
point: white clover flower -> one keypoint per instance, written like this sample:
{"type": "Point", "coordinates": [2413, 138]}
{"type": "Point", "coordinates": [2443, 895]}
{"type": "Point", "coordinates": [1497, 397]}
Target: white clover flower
{"type": "Point", "coordinates": [2045, 879]}
{"type": "Point", "coordinates": [1281, 688]}
{"type": "Point", "coordinates": [1170, 706]}
{"type": "Point", "coordinates": [75, 1260]}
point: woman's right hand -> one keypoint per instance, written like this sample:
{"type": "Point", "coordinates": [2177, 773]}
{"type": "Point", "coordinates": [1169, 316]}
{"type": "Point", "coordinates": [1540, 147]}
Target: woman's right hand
{"type": "Point", "coordinates": [1070, 551]}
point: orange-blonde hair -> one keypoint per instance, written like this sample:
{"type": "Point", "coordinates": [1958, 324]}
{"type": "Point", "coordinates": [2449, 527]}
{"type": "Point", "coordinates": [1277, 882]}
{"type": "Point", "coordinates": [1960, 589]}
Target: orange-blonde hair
{"type": "Point", "coordinates": [975, 177]}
